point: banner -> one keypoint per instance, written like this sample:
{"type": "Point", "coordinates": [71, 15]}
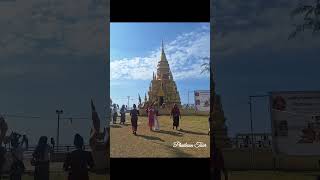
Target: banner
{"type": "Point", "coordinates": [202, 100]}
{"type": "Point", "coordinates": [295, 120]}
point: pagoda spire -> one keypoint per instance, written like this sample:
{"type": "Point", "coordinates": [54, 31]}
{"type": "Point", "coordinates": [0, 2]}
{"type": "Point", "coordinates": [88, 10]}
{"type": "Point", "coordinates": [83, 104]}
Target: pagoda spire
{"type": "Point", "coordinates": [162, 46]}
{"type": "Point", "coordinates": [163, 55]}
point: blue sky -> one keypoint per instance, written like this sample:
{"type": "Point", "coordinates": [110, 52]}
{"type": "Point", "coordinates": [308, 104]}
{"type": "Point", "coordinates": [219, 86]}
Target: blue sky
{"type": "Point", "coordinates": [135, 51]}
{"type": "Point", "coordinates": [253, 56]}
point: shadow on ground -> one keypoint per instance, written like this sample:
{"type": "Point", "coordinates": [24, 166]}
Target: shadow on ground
{"type": "Point", "coordinates": [152, 138]}
{"type": "Point", "coordinates": [177, 152]}
{"type": "Point", "coordinates": [170, 133]}
{"type": "Point", "coordinates": [115, 126]}
{"type": "Point", "coordinates": [192, 132]}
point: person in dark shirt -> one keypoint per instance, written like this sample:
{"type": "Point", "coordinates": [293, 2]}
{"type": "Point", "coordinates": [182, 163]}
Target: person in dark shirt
{"type": "Point", "coordinates": [175, 114]}
{"type": "Point", "coordinates": [123, 114]}
{"type": "Point", "coordinates": [41, 159]}
{"type": "Point", "coordinates": [134, 113]}
{"type": "Point", "coordinates": [79, 161]}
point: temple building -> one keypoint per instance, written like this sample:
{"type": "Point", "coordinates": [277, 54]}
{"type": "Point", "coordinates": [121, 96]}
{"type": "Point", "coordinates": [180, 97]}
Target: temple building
{"type": "Point", "coordinates": [163, 89]}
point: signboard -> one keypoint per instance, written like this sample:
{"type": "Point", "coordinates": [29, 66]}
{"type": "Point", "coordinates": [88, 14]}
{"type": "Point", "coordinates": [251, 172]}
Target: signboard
{"type": "Point", "coordinates": [202, 100]}
{"type": "Point", "coordinates": [295, 120]}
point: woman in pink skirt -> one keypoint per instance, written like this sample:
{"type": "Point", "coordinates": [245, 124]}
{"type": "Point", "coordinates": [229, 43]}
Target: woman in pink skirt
{"type": "Point", "coordinates": [151, 114]}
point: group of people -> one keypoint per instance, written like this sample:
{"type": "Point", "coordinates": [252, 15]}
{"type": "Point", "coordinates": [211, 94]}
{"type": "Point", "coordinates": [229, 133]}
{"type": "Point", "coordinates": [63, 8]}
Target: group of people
{"type": "Point", "coordinates": [152, 114]}
{"type": "Point", "coordinates": [77, 163]}
{"type": "Point", "coordinates": [12, 161]}
{"type": "Point", "coordinates": [114, 113]}
{"type": "Point", "coordinates": [134, 113]}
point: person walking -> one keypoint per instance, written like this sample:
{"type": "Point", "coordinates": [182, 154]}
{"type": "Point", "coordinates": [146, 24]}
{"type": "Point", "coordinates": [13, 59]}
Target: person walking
{"type": "Point", "coordinates": [79, 161]}
{"type": "Point", "coordinates": [151, 112]}
{"type": "Point", "coordinates": [156, 125]}
{"type": "Point", "coordinates": [52, 142]}
{"type": "Point", "coordinates": [17, 167]}
{"type": "Point", "coordinates": [114, 114]}
{"type": "Point", "coordinates": [134, 113]}
{"type": "Point", "coordinates": [123, 114]}
{"type": "Point", "coordinates": [41, 159]}
{"type": "Point", "coordinates": [176, 116]}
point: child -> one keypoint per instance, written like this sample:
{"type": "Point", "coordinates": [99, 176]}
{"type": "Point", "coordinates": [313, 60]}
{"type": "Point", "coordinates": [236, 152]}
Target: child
{"type": "Point", "coordinates": [123, 114]}
{"type": "Point", "coordinates": [134, 113]}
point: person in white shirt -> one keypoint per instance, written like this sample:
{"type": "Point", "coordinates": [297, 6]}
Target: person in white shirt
{"type": "Point", "coordinates": [156, 125]}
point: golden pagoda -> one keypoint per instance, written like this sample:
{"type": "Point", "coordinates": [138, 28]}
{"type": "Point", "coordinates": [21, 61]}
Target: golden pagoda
{"type": "Point", "coordinates": [163, 89]}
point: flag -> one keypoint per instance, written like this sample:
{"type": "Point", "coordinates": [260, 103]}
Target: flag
{"type": "Point", "coordinates": [95, 118]}
{"type": "Point", "coordinates": [139, 99]}
{"type": "Point", "coordinates": [92, 106]}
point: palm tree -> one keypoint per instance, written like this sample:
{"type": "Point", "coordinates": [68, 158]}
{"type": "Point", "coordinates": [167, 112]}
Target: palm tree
{"type": "Point", "coordinates": [311, 19]}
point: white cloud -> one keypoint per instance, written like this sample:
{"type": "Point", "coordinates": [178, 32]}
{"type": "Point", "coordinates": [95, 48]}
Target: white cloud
{"type": "Point", "coordinates": [250, 26]}
{"type": "Point", "coordinates": [185, 55]}
{"type": "Point", "coordinates": [36, 24]}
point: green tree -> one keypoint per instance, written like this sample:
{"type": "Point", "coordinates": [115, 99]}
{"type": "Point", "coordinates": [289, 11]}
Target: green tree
{"type": "Point", "coordinates": [310, 14]}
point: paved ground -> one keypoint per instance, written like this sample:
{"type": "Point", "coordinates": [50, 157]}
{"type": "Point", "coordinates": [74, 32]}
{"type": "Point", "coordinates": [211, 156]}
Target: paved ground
{"type": "Point", "coordinates": [160, 144]}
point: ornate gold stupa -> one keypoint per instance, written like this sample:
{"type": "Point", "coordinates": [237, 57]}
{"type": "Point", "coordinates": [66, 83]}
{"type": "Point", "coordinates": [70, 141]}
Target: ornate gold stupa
{"type": "Point", "coordinates": [163, 89]}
